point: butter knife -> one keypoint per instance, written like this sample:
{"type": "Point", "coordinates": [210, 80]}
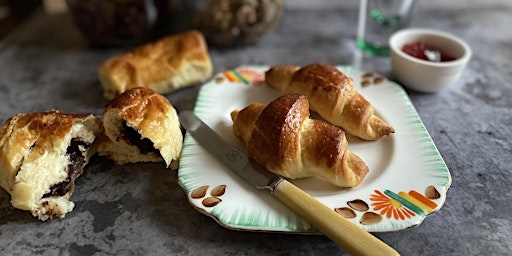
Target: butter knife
{"type": "Point", "coordinates": [344, 233]}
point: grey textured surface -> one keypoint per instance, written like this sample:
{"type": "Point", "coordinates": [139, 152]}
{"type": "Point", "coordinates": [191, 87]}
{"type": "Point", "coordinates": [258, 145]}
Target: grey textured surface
{"type": "Point", "coordinates": [140, 209]}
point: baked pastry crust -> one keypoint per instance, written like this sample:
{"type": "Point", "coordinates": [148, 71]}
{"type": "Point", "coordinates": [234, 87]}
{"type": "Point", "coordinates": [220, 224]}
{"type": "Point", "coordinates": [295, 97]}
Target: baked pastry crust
{"type": "Point", "coordinates": [163, 66]}
{"type": "Point", "coordinates": [332, 94]}
{"type": "Point", "coordinates": [282, 137]}
{"type": "Point", "coordinates": [141, 126]}
{"type": "Point", "coordinates": [41, 154]}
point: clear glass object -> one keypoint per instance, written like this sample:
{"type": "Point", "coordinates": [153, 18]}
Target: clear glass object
{"type": "Point", "coordinates": [378, 19]}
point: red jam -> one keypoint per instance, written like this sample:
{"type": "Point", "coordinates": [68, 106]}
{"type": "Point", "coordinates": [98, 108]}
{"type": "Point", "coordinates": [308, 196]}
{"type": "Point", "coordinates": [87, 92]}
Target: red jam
{"type": "Point", "coordinates": [425, 52]}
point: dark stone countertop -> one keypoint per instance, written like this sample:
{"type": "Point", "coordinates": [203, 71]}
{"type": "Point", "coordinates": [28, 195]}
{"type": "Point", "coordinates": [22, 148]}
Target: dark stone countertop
{"type": "Point", "coordinates": [46, 64]}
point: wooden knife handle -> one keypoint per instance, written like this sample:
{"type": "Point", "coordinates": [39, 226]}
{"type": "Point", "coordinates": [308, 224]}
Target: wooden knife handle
{"type": "Point", "coordinates": [344, 233]}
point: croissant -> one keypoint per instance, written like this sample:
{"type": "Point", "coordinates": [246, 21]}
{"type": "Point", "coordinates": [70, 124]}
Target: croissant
{"type": "Point", "coordinates": [282, 137]}
{"type": "Point", "coordinates": [332, 95]}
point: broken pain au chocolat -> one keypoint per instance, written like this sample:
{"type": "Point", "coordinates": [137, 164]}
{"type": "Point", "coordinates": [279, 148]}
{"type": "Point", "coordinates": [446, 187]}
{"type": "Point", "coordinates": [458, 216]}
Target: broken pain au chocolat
{"type": "Point", "coordinates": [141, 126]}
{"type": "Point", "coordinates": [41, 155]}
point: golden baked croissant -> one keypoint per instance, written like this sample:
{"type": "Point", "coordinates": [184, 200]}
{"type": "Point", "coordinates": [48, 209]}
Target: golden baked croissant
{"type": "Point", "coordinates": [332, 94]}
{"type": "Point", "coordinates": [282, 137]}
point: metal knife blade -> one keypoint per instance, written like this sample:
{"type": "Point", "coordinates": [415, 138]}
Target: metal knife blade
{"type": "Point", "coordinates": [340, 230]}
{"type": "Point", "coordinates": [227, 153]}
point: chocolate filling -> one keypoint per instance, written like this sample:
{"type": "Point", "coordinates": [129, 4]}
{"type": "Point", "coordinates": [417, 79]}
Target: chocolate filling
{"type": "Point", "coordinates": [74, 169]}
{"type": "Point", "coordinates": [144, 144]}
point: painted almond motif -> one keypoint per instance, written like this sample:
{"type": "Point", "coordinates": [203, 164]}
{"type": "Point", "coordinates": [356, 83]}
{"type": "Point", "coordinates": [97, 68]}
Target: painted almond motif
{"type": "Point", "coordinates": [432, 193]}
{"type": "Point", "coordinates": [346, 212]}
{"type": "Point", "coordinates": [199, 192]}
{"type": "Point", "coordinates": [218, 190]}
{"type": "Point", "coordinates": [358, 205]}
{"type": "Point", "coordinates": [219, 80]}
{"type": "Point", "coordinates": [370, 218]}
{"type": "Point", "coordinates": [367, 75]}
{"type": "Point", "coordinates": [211, 201]}
{"type": "Point", "coordinates": [378, 80]}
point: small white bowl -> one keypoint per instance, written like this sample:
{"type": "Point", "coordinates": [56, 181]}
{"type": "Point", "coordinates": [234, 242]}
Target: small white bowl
{"type": "Point", "coordinates": [422, 75]}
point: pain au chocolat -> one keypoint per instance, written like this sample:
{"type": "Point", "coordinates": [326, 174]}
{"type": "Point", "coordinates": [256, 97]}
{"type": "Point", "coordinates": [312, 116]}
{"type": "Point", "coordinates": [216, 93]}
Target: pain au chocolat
{"type": "Point", "coordinates": [41, 155]}
{"type": "Point", "coordinates": [165, 65]}
{"type": "Point", "coordinates": [141, 126]}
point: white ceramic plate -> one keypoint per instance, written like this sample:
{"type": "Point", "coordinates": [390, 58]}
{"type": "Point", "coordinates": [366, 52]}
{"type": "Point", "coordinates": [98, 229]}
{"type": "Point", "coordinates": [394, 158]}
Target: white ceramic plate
{"type": "Point", "coordinates": [407, 181]}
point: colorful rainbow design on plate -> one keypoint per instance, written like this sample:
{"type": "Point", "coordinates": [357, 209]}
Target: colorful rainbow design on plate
{"type": "Point", "coordinates": [244, 75]}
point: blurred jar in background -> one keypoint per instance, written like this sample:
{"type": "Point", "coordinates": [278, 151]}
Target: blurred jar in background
{"type": "Point", "coordinates": [227, 23]}
{"type": "Point", "coordinates": [117, 22]}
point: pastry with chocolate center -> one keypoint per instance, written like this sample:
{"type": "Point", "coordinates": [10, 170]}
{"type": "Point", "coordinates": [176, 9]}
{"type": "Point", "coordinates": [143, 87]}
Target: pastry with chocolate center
{"type": "Point", "coordinates": [41, 155]}
{"type": "Point", "coordinates": [141, 126]}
